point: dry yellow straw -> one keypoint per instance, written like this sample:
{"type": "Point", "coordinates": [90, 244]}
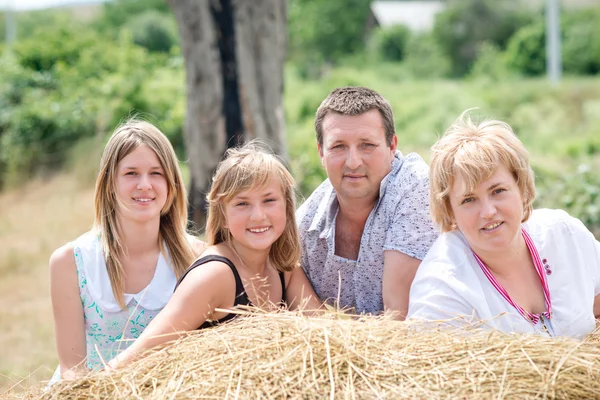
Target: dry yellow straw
{"type": "Point", "coordinates": [286, 355]}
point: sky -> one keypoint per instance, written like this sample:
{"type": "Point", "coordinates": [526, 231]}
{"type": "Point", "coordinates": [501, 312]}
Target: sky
{"type": "Point", "coordinates": [21, 5]}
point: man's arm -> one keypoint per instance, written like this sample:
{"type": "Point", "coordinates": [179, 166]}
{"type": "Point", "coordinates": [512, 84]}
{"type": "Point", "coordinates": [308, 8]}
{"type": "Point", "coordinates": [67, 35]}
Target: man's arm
{"type": "Point", "coordinates": [399, 271]}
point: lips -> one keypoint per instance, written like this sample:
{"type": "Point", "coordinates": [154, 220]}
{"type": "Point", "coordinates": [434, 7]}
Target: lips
{"type": "Point", "coordinates": [143, 199]}
{"type": "Point", "coordinates": [492, 226]}
{"type": "Point", "coordinates": [259, 230]}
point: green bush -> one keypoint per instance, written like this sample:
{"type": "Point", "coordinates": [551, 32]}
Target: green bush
{"type": "Point", "coordinates": [526, 51]}
{"type": "Point", "coordinates": [43, 50]}
{"type": "Point", "coordinates": [581, 42]}
{"type": "Point", "coordinates": [323, 31]}
{"type": "Point", "coordinates": [491, 63]}
{"type": "Point", "coordinates": [154, 31]}
{"type": "Point", "coordinates": [389, 44]}
{"type": "Point", "coordinates": [466, 24]}
{"type": "Point", "coordinates": [577, 193]}
{"type": "Point", "coordinates": [424, 58]}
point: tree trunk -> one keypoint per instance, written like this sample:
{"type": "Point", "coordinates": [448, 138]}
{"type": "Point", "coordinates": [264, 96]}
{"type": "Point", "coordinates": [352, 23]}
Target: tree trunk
{"type": "Point", "coordinates": [261, 41]}
{"type": "Point", "coordinates": [234, 52]}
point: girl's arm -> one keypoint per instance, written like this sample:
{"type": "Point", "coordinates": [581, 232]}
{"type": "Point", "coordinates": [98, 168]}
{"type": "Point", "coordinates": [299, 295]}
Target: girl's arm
{"type": "Point", "coordinates": [299, 292]}
{"type": "Point", "coordinates": [69, 325]}
{"type": "Point", "coordinates": [205, 288]}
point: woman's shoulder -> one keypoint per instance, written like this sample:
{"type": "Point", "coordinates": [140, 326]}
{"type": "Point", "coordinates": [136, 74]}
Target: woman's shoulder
{"type": "Point", "coordinates": [545, 222]}
{"type": "Point", "coordinates": [198, 246]}
{"type": "Point", "coordinates": [449, 258]}
{"type": "Point", "coordinates": [63, 259]}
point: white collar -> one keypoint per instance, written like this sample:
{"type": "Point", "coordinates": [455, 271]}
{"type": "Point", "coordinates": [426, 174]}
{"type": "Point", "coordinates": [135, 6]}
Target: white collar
{"type": "Point", "coordinates": [153, 297]}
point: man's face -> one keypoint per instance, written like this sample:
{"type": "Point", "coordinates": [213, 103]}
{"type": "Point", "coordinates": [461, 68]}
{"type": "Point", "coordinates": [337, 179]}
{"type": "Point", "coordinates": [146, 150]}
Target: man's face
{"type": "Point", "coordinates": [355, 154]}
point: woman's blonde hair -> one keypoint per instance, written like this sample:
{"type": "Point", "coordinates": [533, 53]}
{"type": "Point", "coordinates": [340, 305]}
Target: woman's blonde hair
{"type": "Point", "coordinates": [473, 151]}
{"type": "Point", "coordinates": [246, 168]}
{"type": "Point", "coordinates": [173, 217]}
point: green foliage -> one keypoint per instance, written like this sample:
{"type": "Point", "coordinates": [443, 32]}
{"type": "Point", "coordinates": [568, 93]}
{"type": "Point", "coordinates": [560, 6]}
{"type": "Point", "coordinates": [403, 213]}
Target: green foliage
{"type": "Point", "coordinates": [325, 30]}
{"type": "Point", "coordinates": [44, 49]}
{"type": "Point", "coordinates": [526, 50]}
{"type": "Point", "coordinates": [424, 58]}
{"type": "Point", "coordinates": [466, 24]}
{"type": "Point", "coordinates": [577, 193]}
{"type": "Point", "coordinates": [117, 13]}
{"type": "Point", "coordinates": [154, 31]}
{"type": "Point", "coordinates": [491, 64]}
{"type": "Point", "coordinates": [581, 42]}
{"type": "Point", "coordinates": [390, 43]}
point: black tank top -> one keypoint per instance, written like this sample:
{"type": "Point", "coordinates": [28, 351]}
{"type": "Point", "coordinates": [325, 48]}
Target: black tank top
{"type": "Point", "coordinates": [241, 298]}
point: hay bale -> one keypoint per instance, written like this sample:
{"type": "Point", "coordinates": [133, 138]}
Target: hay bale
{"type": "Point", "coordinates": [290, 356]}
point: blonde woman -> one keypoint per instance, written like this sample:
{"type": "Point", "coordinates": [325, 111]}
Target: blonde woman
{"type": "Point", "coordinates": [498, 261]}
{"type": "Point", "coordinates": [253, 257]}
{"type": "Point", "coordinates": [108, 284]}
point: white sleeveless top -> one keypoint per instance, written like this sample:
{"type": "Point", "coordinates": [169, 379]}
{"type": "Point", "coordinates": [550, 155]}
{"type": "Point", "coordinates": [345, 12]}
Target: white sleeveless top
{"type": "Point", "coordinates": [108, 328]}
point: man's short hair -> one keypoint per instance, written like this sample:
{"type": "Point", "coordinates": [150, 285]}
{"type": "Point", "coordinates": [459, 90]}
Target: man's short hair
{"type": "Point", "coordinates": [355, 100]}
{"type": "Point", "coordinates": [474, 150]}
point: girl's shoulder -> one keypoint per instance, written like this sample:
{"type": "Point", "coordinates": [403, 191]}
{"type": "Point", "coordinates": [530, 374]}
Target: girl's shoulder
{"type": "Point", "coordinates": [197, 245]}
{"type": "Point", "coordinates": [65, 256]}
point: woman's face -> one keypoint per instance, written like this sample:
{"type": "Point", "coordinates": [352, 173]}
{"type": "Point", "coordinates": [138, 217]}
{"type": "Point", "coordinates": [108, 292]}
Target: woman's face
{"type": "Point", "coordinates": [256, 218]}
{"type": "Point", "coordinates": [141, 185]}
{"type": "Point", "coordinates": [490, 215]}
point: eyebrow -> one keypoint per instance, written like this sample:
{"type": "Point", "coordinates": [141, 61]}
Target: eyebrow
{"type": "Point", "coordinates": [491, 187]}
{"type": "Point", "coordinates": [154, 167]}
{"type": "Point", "coordinates": [241, 197]}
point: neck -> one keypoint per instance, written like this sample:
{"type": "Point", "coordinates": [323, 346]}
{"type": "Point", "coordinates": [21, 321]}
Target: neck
{"type": "Point", "coordinates": [356, 211]}
{"type": "Point", "coordinates": [139, 237]}
{"type": "Point", "coordinates": [252, 260]}
{"type": "Point", "coordinates": [510, 261]}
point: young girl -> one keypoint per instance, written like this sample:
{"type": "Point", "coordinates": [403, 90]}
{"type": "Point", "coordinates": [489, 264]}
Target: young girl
{"type": "Point", "coordinates": [253, 257]}
{"type": "Point", "coordinates": [107, 285]}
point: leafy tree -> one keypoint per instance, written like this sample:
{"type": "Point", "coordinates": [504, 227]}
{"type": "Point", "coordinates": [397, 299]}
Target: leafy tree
{"type": "Point", "coordinates": [154, 31]}
{"type": "Point", "coordinates": [526, 50]}
{"type": "Point", "coordinates": [390, 43]}
{"type": "Point", "coordinates": [326, 30]}
{"type": "Point", "coordinates": [466, 24]}
{"type": "Point", "coordinates": [118, 12]}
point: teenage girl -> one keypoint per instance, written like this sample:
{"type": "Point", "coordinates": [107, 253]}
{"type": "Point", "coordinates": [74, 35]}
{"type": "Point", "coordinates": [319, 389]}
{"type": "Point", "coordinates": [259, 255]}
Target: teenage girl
{"type": "Point", "coordinates": [107, 285]}
{"type": "Point", "coordinates": [253, 254]}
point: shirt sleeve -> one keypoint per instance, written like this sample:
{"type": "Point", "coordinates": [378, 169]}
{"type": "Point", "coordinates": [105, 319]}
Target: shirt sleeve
{"type": "Point", "coordinates": [589, 246]}
{"type": "Point", "coordinates": [434, 297]}
{"type": "Point", "coordinates": [411, 230]}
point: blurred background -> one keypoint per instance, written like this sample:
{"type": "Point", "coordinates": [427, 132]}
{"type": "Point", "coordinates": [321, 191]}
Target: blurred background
{"type": "Point", "coordinates": [70, 71]}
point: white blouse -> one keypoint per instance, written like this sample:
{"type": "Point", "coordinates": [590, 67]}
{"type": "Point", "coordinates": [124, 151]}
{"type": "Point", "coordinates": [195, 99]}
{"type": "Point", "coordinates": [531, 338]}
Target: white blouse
{"type": "Point", "coordinates": [450, 284]}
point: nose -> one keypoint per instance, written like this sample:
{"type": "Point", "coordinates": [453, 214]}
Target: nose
{"type": "Point", "coordinates": [353, 160]}
{"type": "Point", "coordinates": [488, 208]}
{"type": "Point", "coordinates": [258, 214]}
{"type": "Point", "coordinates": [144, 182]}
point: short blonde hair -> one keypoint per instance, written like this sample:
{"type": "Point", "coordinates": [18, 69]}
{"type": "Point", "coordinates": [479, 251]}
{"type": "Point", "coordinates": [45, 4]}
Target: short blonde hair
{"type": "Point", "coordinates": [474, 150]}
{"type": "Point", "coordinates": [245, 168]}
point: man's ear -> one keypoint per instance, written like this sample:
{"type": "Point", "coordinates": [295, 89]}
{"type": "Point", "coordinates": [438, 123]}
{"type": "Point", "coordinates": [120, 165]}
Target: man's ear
{"type": "Point", "coordinates": [394, 143]}
{"type": "Point", "coordinates": [320, 148]}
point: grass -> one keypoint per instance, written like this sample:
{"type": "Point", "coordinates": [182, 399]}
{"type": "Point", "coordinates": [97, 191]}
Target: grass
{"type": "Point", "coordinates": [34, 220]}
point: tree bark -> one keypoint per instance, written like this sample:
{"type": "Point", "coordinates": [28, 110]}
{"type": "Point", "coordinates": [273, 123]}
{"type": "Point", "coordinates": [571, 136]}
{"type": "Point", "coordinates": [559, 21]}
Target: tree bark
{"type": "Point", "coordinates": [234, 52]}
{"type": "Point", "coordinates": [205, 122]}
{"type": "Point", "coordinates": [261, 41]}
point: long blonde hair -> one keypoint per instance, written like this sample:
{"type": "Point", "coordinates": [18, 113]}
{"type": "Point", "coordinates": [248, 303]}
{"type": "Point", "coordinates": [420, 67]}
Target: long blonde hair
{"type": "Point", "coordinates": [246, 168]}
{"type": "Point", "coordinates": [173, 217]}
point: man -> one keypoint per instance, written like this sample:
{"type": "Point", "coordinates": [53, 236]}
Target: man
{"type": "Point", "coordinates": [364, 230]}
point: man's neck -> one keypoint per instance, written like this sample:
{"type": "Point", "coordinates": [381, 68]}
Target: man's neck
{"type": "Point", "coordinates": [356, 211]}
